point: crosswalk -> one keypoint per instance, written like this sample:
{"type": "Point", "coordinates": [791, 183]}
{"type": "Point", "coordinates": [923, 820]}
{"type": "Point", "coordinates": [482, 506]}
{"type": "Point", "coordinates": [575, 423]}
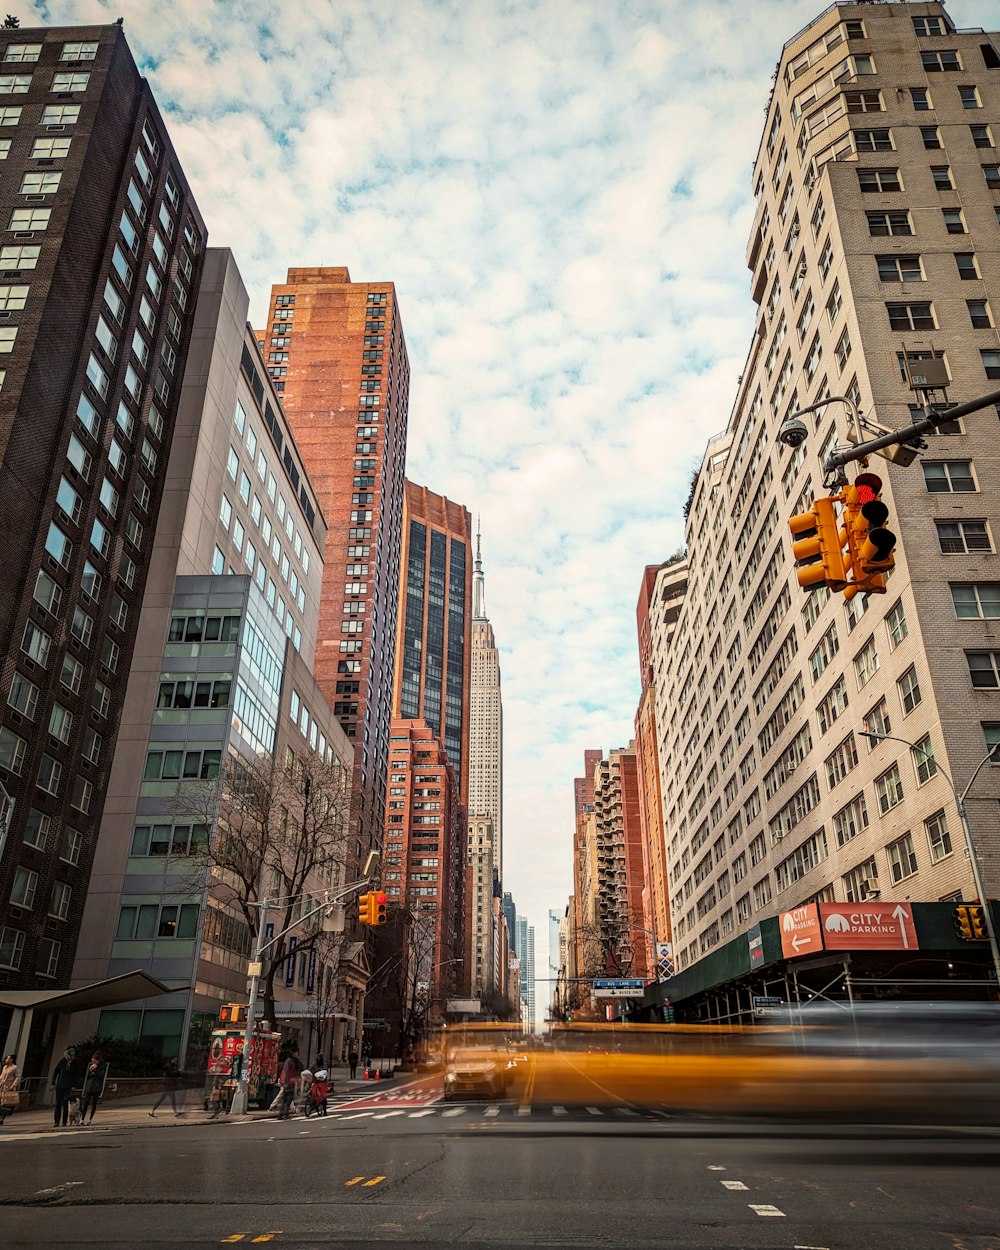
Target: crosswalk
{"type": "Point", "coordinates": [493, 1112]}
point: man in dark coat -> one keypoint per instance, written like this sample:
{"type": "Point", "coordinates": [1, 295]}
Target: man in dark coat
{"type": "Point", "coordinates": [62, 1083]}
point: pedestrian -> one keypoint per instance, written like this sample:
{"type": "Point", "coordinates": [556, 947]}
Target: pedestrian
{"type": "Point", "coordinates": [352, 1060]}
{"type": "Point", "coordinates": [62, 1083]}
{"type": "Point", "coordinates": [93, 1087]}
{"type": "Point", "coordinates": [289, 1080]}
{"type": "Point", "coordinates": [10, 1079]}
{"type": "Point", "coordinates": [171, 1079]}
{"type": "Point", "coordinates": [366, 1058]}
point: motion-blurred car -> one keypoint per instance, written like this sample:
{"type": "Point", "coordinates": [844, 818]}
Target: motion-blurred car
{"type": "Point", "coordinates": [483, 1070]}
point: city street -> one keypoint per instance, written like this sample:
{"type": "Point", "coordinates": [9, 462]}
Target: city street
{"type": "Point", "coordinates": [399, 1169]}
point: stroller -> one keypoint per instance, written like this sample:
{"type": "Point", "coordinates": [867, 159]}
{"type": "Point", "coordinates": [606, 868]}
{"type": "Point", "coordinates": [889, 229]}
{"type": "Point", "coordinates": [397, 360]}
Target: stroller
{"type": "Point", "coordinates": [319, 1090]}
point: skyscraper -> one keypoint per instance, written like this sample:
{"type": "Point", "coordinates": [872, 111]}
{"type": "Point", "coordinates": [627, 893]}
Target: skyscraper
{"type": "Point", "coordinates": [101, 269]}
{"type": "Point", "coordinates": [434, 622]}
{"type": "Point", "coordinates": [336, 353]}
{"type": "Point", "coordinates": [874, 239]}
{"type": "Point", "coordinates": [526, 955]}
{"type": "Point", "coordinates": [486, 716]}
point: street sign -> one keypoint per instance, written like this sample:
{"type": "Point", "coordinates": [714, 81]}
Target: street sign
{"type": "Point", "coordinates": [622, 983]}
{"type": "Point", "coordinates": [664, 961]}
{"type": "Point", "coordinates": [764, 1005]}
{"type": "Point", "coordinates": [800, 931]}
{"type": "Point", "coordinates": [868, 926]}
{"type": "Point", "coordinates": [619, 991]}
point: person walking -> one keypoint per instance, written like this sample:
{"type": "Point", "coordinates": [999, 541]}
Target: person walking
{"type": "Point", "coordinates": [62, 1083]}
{"type": "Point", "coordinates": [289, 1080]}
{"type": "Point", "coordinates": [93, 1087]}
{"type": "Point", "coordinates": [10, 1079]}
{"type": "Point", "coordinates": [171, 1079]}
{"type": "Point", "coordinates": [366, 1058]}
{"type": "Point", "coordinates": [352, 1062]}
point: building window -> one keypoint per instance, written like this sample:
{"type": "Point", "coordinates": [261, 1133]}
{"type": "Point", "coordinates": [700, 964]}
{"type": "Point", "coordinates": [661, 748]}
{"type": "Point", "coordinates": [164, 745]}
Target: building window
{"type": "Point", "coordinates": [984, 669]}
{"type": "Point", "coordinates": [931, 137]}
{"type": "Point", "coordinates": [879, 180]}
{"type": "Point", "coordinates": [920, 98]}
{"type": "Point", "coordinates": [968, 269]}
{"type": "Point", "coordinates": [866, 663]}
{"type": "Point", "coordinates": [979, 314]}
{"type": "Point", "coordinates": [943, 477]}
{"type": "Point", "coordinates": [873, 140]}
{"type": "Point", "coordinates": [861, 882]}
{"type": "Point", "coordinates": [992, 175]}
{"type": "Point", "coordinates": [924, 762]}
{"type": "Point", "coordinates": [59, 904]}
{"type": "Point", "coordinates": [909, 690]}
{"type": "Point", "coordinates": [70, 82]}
{"type": "Point", "coordinates": [976, 602]}
{"type": "Point", "coordinates": [12, 751]}
{"type": "Point", "coordinates": [969, 97]}
{"type": "Point", "coordinates": [982, 136]}
{"type": "Point", "coordinates": [963, 537]}
{"type": "Point", "coordinates": [911, 316]}
{"type": "Point", "coordinates": [954, 220]}
{"type": "Point", "coordinates": [889, 789]}
{"type": "Point", "coordinates": [938, 837]}
{"type": "Point", "coordinates": [902, 858]}
{"type": "Point", "coordinates": [885, 223]}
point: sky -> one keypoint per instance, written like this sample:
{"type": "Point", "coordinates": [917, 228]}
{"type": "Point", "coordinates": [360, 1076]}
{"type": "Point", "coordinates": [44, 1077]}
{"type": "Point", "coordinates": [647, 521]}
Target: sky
{"type": "Point", "coordinates": [560, 191]}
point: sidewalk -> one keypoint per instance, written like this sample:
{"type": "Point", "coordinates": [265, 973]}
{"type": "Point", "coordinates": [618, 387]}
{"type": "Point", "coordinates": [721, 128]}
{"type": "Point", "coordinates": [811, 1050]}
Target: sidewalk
{"type": "Point", "coordinates": [134, 1112]}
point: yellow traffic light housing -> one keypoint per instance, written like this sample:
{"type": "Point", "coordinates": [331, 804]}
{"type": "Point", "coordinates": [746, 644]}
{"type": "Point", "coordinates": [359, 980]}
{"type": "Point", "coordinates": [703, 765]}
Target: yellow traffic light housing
{"type": "Point", "coordinates": [379, 905]}
{"type": "Point", "coordinates": [817, 549]}
{"type": "Point", "coordinates": [365, 908]}
{"type": "Point", "coordinates": [970, 923]}
{"type": "Point", "coordinates": [868, 544]}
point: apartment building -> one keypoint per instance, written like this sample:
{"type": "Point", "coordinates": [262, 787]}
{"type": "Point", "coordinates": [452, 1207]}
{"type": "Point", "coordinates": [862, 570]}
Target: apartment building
{"type": "Point", "coordinates": [337, 357]}
{"type": "Point", "coordinates": [876, 237]}
{"type": "Point", "coordinates": [100, 268]}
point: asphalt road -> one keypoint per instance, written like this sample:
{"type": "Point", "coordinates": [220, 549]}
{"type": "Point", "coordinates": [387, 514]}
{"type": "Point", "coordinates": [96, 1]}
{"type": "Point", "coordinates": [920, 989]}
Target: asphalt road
{"type": "Point", "coordinates": [401, 1171]}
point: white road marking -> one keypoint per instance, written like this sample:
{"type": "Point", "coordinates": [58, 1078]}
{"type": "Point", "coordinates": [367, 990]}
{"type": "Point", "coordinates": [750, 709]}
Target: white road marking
{"type": "Point", "coordinates": [595, 1111]}
{"type": "Point", "coordinates": [455, 1111]}
{"type": "Point", "coordinates": [386, 1115]}
{"type": "Point", "coordinates": [734, 1185]}
{"type": "Point", "coordinates": [797, 1247]}
{"type": "Point", "coordinates": [31, 1136]}
{"type": "Point", "coordinates": [625, 1111]}
{"type": "Point", "coordinates": [416, 1115]}
{"type": "Point", "coordinates": [716, 1167]}
{"type": "Point", "coordinates": [765, 1208]}
{"type": "Point", "coordinates": [559, 1111]}
{"type": "Point", "coordinates": [524, 1111]}
{"type": "Point", "coordinates": [358, 1115]}
{"type": "Point", "coordinates": [57, 1189]}
{"type": "Point", "coordinates": [492, 1111]}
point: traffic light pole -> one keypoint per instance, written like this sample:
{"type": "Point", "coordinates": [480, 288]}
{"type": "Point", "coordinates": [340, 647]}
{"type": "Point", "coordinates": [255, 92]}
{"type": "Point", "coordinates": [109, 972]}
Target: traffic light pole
{"type": "Point", "coordinates": [970, 846]}
{"type": "Point", "coordinates": [256, 969]}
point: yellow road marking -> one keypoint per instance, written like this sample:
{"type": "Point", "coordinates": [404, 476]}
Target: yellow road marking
{"type": "Point", "coordinates": [234, 1237]}
{"type": "Point", "coordinates": [353, 1181]}
{"type": "Point", "coordinates": [275, 1232]}
{"type": "Point", "coordinates": [374, 1181]}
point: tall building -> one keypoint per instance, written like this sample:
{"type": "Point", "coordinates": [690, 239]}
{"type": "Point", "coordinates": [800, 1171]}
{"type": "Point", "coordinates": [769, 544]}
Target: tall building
{"type": "Point", "coordinates": [874, 238]}
{"type": "Point", "coordinates": [555, 961]}
{"type": "Point", "coordinates": [101, 268]}
{"type": "Point", "coordinates": [486, 717]}
{"type": "Point", "coordinates": [222, 666]}
{"type": "Point", "coordinates": [619, 852]}
{"type": "Point", "coordinates": [525, 949]}
{"type": "Point", "coordinates": [434, 622]}
{"type": "Point", "coordinates": [336, 353]}
{"type": "Point", "coordinates": [426, 855]}
{"type": "Point", "coordinates": [481, 912]}
{"type": "Point", "coordinates": [584, 914]}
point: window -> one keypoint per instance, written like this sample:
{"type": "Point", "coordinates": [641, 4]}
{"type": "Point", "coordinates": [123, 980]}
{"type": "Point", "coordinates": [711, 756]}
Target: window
{"type": "Point", "coordinates": [883, 223]}
{"type": "Point", "coordinates": [47, 593]}
{"type": "Point", "coordinates": [155, 920]}
{"type": "Point", "coordinates": [909, 690]}
{"type": "Point", "coordinates": [60, 901]}
{"type": "Point", "coordinates": [873, 140]}
{"type": "Point", "coordinates": [39, 183]}
{"type": "Point", "coordinates": [19, 257]}
{"type": "Point", "coordinates": [982, 136]}
{"type": "Point", "coordinates": [902, 858]}
{"type": "Point", "coordinates": [851, 820]}
{"type": "Point", "coordinates": [984, 667]}
{"type": "Point", "coordinates": [911, 316]}
{"type": "Point", "coordinates": [968, 268]}
{"type": "Point", "coordinates": [976, 602]}
{"type": "Point", "coordinates": [58, 545]}
{"type": "Point", "coordinates": [970, 97]}
{"type": "Point", "coordinates": [22, 52]}
{"type": "Point", "coordinates": [931, 137]}
{"type": "Point", "coordinates": [948, 476]}
{"type": "Point", "coordinates": [938, 837]}
{"type": "Point", "coordinates": [940, 62]}
{"type": "Point", "coordinates": [843, 350]}
{"type": "Point", "coordinates": [992, 175]}
{"type": "Point", "coordinates": [864, 102]}
{"type": "Point", "coordinates": [979, 313]}
{"type": "Point", "coordinates": [899, 268]}
{"type": "Point", "coordinates": [924, 763]}
{"type": "Point", "coordinates": [920, 98]}
{"type": "Point", "coordinates": [879, 180]}
{"type": "Point", "coordinates": [60, 115]}
{"type": "Point", "coordinates": [49, 775]}
{"type": "Point", "coordinates": [895, 624]}
{"type": "Point", "coordinates": [12, 751]}
{"type": "Point", "coordinates": [23, 890]}
{"type": "Point", "coordinates": [954, 220]}
{"type": "Point", "coordinates": [866, 663]}
{"type": "Point", "coordinates": [29, 219]}
{"type": "Point", "coordinates": [889, 789]}
{"type": "Point", "coordinates": [174, 765]}
{"type": "Point", "coordinates": [70, 82]}
{"type": "Point", "coordinates": [78, 52]}
{"type": "Point", "coordinates": [14, 84]}
{"type": "Point", "coordinates": [963, 537]}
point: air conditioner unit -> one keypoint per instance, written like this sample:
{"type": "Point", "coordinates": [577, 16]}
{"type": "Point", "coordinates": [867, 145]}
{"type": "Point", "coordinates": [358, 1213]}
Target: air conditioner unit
{"type": "Point", "coordinates": [869, 888]}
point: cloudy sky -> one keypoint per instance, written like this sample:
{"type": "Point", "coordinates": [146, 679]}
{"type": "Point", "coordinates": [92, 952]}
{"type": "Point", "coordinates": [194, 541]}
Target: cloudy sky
{"type": "Point", "coordinates": [560, 190]}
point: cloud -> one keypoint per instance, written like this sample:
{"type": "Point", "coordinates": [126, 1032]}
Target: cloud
{"type": "Point", "coordinates": [560, 190]}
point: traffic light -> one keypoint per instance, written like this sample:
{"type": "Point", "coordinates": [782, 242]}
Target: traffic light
{"type": "Point", "coordinates": [365, 908]}
{"type": "Point", "coordinates": [871, 544]}
{"type": "Point", "coordinates": [817, 548]}
{"type": "Point", "coordinates": [970, 924]}
{"type": "Point", "coordinates": [379, 904]}
{"type": "Point", "coordinates": [233, 1013]}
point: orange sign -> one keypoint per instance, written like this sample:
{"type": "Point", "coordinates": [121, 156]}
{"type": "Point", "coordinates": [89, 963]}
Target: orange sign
{"type": "Point", "coordinates": [800, 931]}
{"type": "Point", "coordinates": [868, 926]}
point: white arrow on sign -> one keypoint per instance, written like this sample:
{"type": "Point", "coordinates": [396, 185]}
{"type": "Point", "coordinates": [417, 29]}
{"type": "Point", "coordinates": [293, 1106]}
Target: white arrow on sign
{"type": "Point", "coordinates": [804, 941]}
{"type": "Point", "coordinates": [902, 915]}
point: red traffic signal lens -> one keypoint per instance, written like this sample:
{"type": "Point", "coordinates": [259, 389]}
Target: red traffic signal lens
{"type": "Point", "coordinates": [381, 899]}
{"type": "Point", "coordinates": [868, 486]}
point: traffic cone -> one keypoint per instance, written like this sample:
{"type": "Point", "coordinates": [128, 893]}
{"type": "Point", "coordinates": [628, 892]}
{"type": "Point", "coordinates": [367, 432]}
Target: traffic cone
{"type": "Point", "coordinates": [378, 1074]}
{"type": "Point", "coordinates": [365, 1075]}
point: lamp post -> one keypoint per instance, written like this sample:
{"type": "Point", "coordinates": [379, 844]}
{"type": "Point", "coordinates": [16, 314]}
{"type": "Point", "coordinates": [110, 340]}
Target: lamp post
{"type": "Point", "coordinates": [256, 969]}
{"type": "Point", "coordinates": [970, 847]}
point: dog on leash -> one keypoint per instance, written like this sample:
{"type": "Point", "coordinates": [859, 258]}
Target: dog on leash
{"type": "Point", "coordinates": [74, 1109]}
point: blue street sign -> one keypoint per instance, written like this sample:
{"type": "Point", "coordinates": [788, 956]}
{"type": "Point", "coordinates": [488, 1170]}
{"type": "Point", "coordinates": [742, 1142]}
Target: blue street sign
{"type": "Point", "coordinates": [619, 983]}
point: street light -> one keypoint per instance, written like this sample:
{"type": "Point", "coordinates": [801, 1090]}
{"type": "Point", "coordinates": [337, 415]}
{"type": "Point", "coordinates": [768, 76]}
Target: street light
{"type": "Point", "coordinates": [970, 847]}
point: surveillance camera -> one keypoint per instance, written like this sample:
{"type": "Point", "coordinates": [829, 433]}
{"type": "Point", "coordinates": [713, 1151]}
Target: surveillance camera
{"type": "Point", "coordinates": [793, 432]}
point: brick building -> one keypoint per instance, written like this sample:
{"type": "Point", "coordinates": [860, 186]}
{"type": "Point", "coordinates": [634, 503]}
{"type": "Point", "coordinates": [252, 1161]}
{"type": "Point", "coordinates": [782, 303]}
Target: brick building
{"type": "Point", "coordinates": [336, 354]}
{"type": "Point", "coordinates": [100, 270]}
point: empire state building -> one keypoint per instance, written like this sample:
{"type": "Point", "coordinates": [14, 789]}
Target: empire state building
{"type": "Point", "coordinates": [485, 719]}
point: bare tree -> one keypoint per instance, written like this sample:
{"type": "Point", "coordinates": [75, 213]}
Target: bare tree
{"type": "Point", "coordinates": [407, 976]}
{"type": "Point", "coordinates": [279, 833]}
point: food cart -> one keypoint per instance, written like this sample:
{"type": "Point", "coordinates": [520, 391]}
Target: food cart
{"type": "Point", "coordinates": [262, 1075]}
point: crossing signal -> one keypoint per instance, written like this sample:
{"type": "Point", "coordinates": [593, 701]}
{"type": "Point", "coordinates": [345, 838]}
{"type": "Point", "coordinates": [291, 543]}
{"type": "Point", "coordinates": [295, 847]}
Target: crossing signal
{"type": "Point", "coordinates": [233, 1013]}
{"type": "Point", "coordinates": [817, 549]}
{"type": "Point", "coordinates": [970, 924]}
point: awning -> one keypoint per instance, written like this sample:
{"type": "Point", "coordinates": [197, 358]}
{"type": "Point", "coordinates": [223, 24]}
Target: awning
{"type": "Point", "coordinates": [120, 989]}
